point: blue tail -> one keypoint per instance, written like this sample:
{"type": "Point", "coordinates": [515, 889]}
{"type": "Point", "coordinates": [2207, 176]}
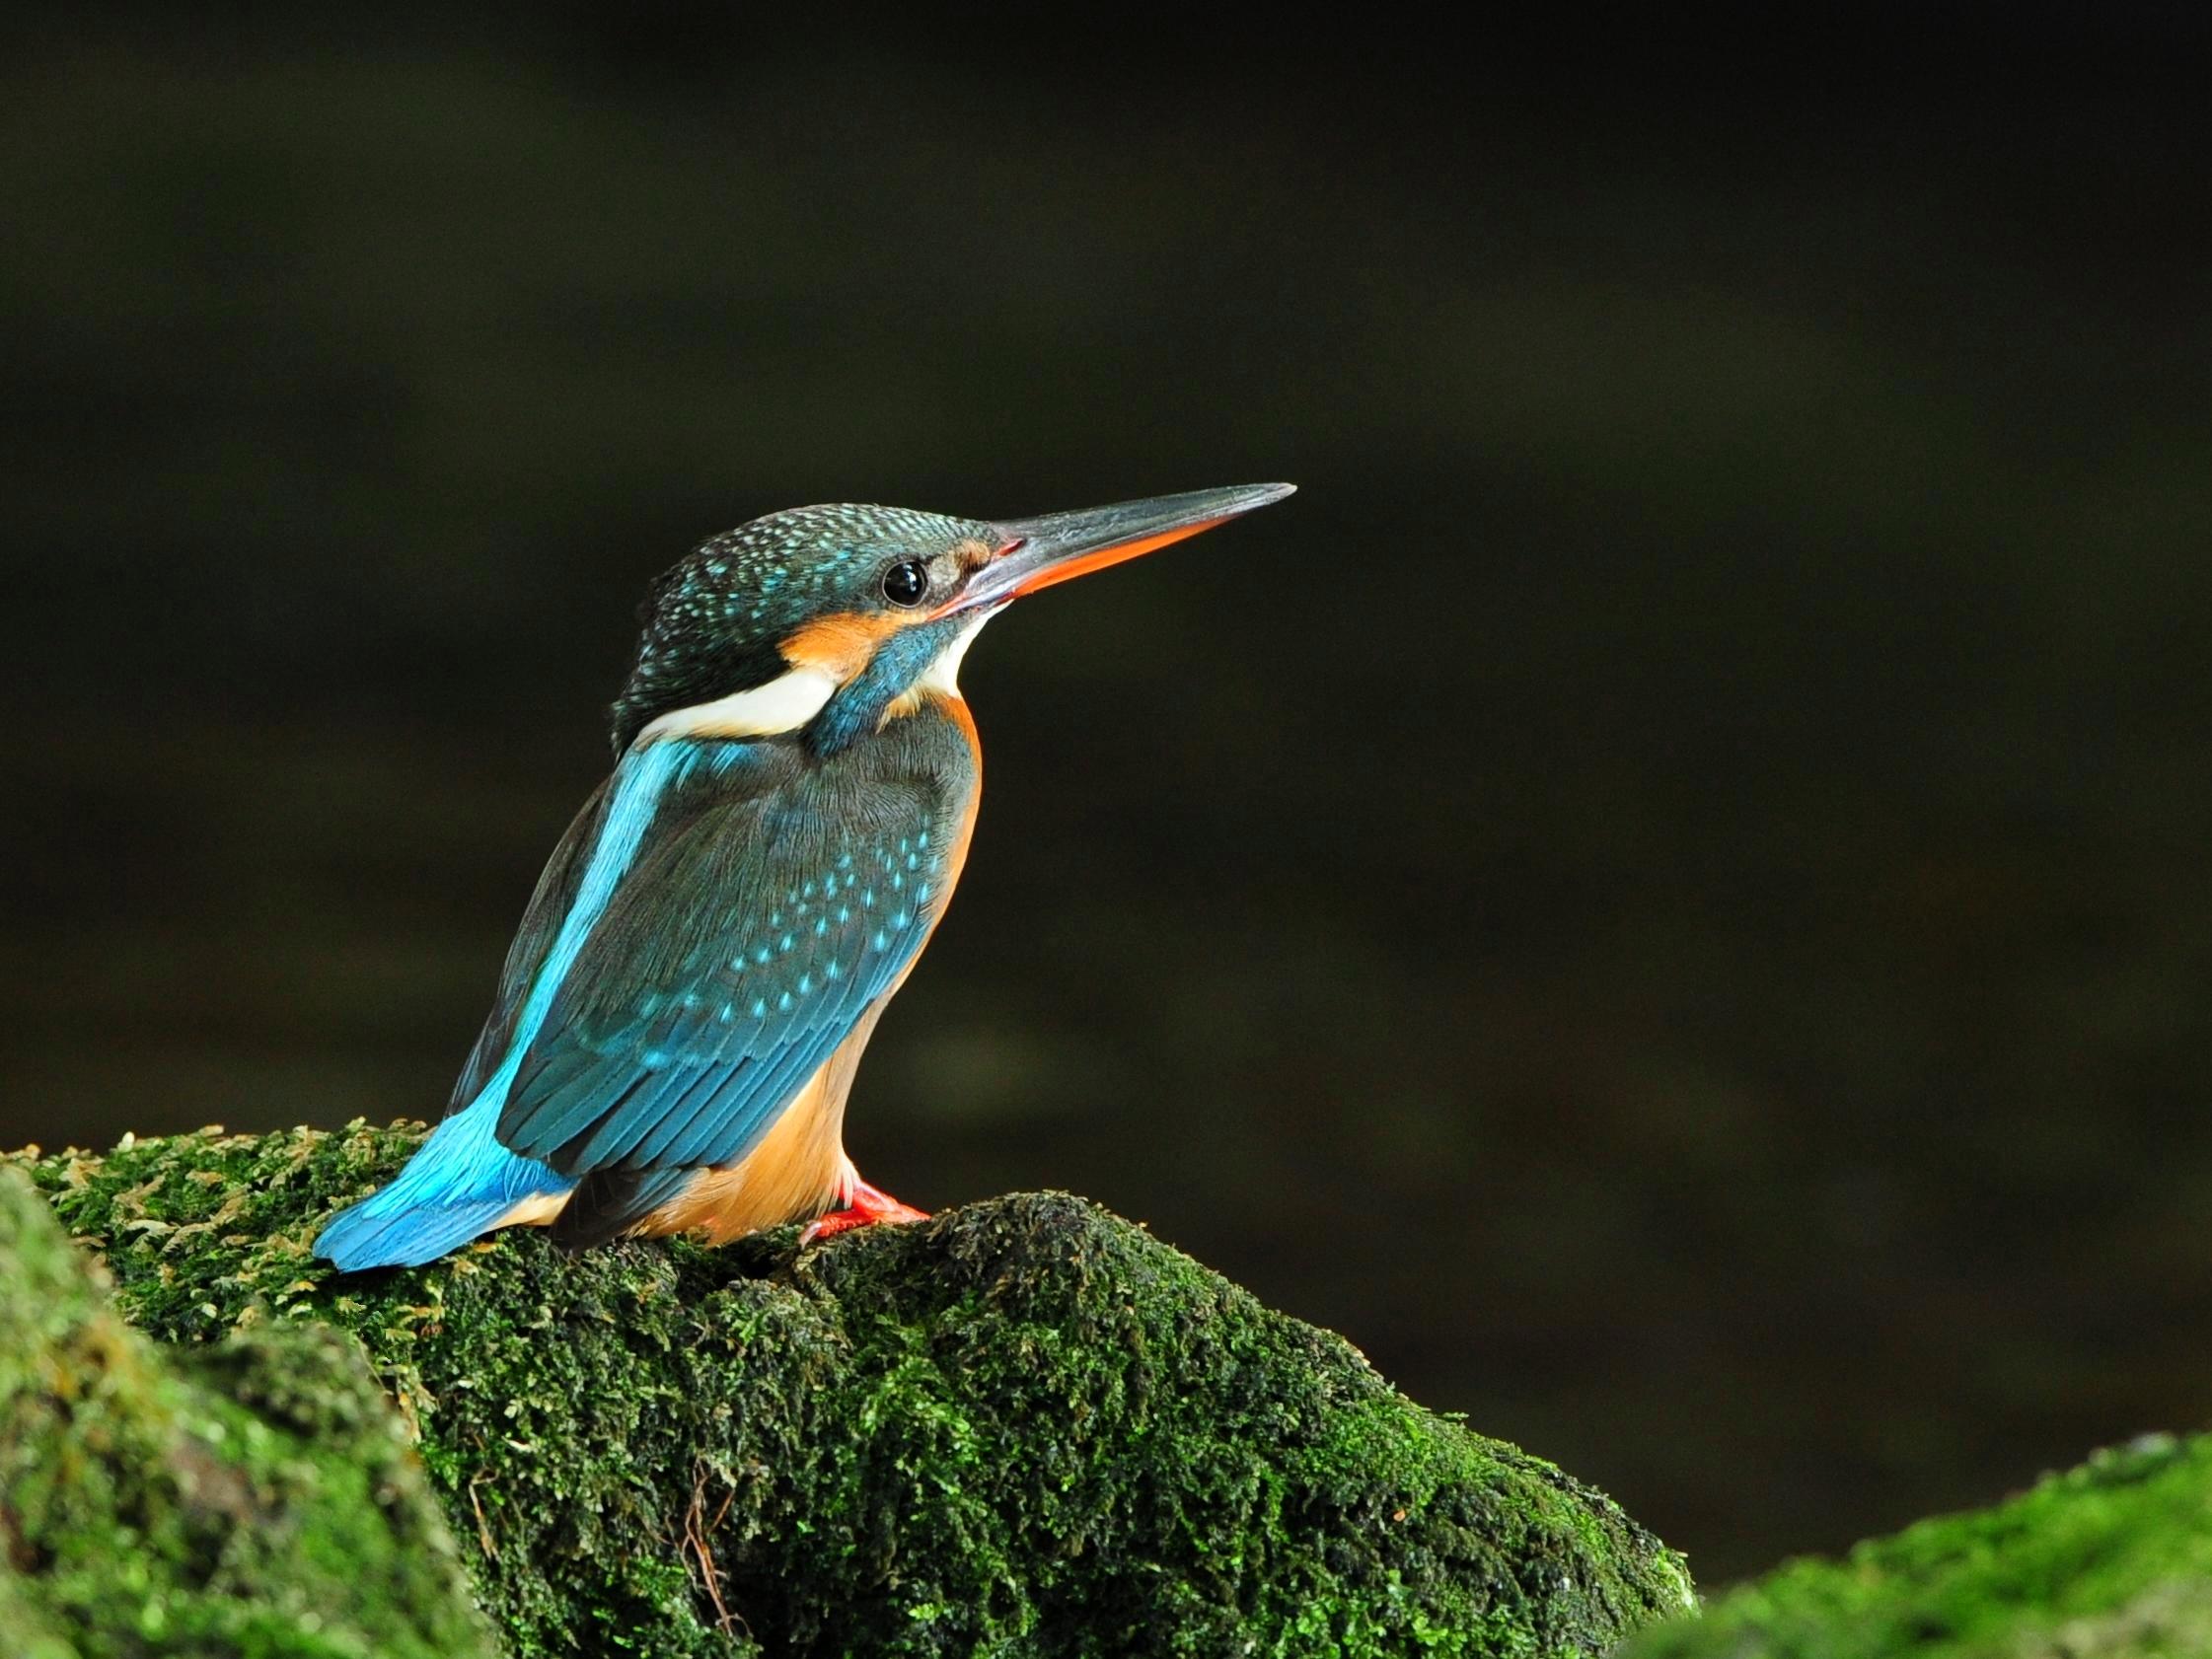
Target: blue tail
{"type": "Point", "coordinates": [456, 1187]}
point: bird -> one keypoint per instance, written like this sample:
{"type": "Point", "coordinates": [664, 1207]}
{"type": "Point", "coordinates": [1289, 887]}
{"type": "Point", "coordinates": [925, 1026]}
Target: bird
{"type": "Point", "coordinates": [681, 1014]}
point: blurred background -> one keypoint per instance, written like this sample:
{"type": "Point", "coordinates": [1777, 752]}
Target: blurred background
{"type": "Point", "coordinates": [1663, 895]}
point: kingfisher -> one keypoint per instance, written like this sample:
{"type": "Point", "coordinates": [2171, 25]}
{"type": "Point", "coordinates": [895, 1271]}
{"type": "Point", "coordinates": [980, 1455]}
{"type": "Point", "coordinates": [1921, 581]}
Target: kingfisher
{"type": "Point", "coordinates": [709, 950]}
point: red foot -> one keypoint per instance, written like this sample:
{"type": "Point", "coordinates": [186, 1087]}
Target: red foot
{"type": "Point", "coordinates": [864, 1207]}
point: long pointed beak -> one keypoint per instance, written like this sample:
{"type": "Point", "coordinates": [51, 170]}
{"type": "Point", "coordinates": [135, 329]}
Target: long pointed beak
{"type": "Point", "coordinates": [1035, 553]}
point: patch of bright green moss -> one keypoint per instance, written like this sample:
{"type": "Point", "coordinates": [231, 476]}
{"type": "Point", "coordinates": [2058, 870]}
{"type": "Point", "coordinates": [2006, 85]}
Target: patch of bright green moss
{"type": "Point", "coordinates": [255, 1497]}
{"type": "Point", "coordinates": [1025, 1428]}
{"type": "Point", "coordinates": [2111, 1561]}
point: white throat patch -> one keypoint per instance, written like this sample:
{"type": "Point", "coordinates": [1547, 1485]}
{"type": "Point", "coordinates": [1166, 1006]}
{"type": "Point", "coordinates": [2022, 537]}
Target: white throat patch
{"type": "Point", "coordinates": [942, 675]}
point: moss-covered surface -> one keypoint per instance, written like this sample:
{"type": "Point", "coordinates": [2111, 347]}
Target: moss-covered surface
{"type": "Point", "coordinates": [30, 1632]}
{"type": "Point", "coordinates": [2111, 1561]}
{"type": "Point", "coordinates": [1025, 1428]}
{"type": "Point", "coordinates": [253, 1496]}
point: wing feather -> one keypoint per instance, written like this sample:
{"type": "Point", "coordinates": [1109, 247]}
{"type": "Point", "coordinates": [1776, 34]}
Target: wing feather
{"type": "Point", "coordinates": [767, 909]}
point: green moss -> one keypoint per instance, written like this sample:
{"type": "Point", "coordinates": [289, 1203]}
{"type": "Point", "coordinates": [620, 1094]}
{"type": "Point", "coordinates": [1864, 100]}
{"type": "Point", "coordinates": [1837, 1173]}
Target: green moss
{"type": "Point", "coordinates": [253, 1498]}
{"type": "Point", "coordinates": [1026, 1427]}
{"type": "Point", "coordinates": [2111, 1561]}
{"type": "Point", "coordinates": [31, 1633]}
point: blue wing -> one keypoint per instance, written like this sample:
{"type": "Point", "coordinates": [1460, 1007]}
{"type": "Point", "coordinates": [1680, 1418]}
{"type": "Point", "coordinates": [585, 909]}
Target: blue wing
{"type": "Point", "coordinates": [774, 903]}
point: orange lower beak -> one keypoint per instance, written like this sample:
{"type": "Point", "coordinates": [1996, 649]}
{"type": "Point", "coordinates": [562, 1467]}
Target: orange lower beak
{"type": "Point", "coordinates": [1037, 553]}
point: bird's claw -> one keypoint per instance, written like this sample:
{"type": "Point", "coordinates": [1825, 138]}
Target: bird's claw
{"type": "Point", "coordinates": [864, 1207]}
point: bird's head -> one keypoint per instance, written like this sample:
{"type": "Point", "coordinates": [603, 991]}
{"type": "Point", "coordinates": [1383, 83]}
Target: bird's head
{"type": "Point", "coordinates": [825, 621]}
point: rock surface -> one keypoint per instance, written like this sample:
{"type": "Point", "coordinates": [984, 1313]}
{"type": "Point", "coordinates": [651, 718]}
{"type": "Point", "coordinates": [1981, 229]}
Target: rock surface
{"type": "Point", "coordinates": [1026, 1427]}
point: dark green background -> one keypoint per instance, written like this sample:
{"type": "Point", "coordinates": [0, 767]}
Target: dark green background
{"type": "Point", "coordinates": [1663, 894]}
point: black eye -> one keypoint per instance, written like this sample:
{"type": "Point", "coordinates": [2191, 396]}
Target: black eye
{"type": "Point", "coordinates": [904, 584]}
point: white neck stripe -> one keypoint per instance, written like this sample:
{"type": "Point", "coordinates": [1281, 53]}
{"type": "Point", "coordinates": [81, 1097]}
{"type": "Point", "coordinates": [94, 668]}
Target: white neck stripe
{"type": "Point", "coordinates": [783, 704]}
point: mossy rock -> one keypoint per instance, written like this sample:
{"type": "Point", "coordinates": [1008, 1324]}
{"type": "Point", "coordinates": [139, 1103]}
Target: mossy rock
{"type": "Point", "coordinates": [1025, 1428]}
{"type": "Point", "coordinates": [251, 1496]}
{"type": "Point", "coordinates": [2111, 1561]}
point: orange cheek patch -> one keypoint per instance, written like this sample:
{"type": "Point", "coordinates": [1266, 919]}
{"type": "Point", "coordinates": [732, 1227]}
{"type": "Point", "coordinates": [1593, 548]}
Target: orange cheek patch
{"type": "Point", "coordinates": [1067, 570]}
{"type": "Point", "coordinates": [841, 645]}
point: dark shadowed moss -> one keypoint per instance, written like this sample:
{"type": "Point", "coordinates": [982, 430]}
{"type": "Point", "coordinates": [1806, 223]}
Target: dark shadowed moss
{"type": "Point", "coordinates": [2111, 1561]}
{"type": "Point", "coordinates": [254, 1497]}
{"type": "Point", "coordinates": [1026, 1427]}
